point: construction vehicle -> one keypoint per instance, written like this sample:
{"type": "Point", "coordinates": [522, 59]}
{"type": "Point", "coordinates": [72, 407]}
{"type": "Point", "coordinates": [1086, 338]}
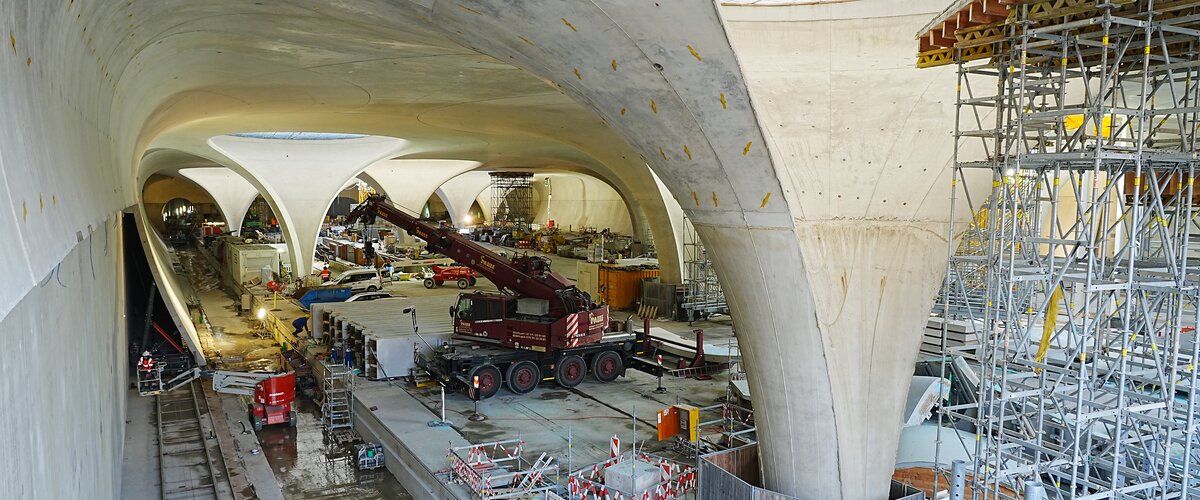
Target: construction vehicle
{"type": "Point", "coordinates": [463, 275]}
{"type": "Point", "coordinates": [273, 395]}
{"type": "Point", "coordinates": [538, 324]}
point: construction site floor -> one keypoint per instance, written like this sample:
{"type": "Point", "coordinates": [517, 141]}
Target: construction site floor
{"type": "Point", "coordinates": [305, 465]}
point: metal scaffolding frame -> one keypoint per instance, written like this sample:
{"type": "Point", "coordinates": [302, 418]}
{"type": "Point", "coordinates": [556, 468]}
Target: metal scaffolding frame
{"type": "Point", "coordinates": [1086, 113]}
{"type": "Point", "coordinates": [702, 293]}
{"type": "Point", "coordinates": [337, 396]}
{"type": "Point", "coordinates": [512, 199]}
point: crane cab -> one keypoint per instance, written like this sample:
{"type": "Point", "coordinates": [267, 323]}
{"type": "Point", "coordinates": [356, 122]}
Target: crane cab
{"type": "Point", "coordinates": [525, 323]}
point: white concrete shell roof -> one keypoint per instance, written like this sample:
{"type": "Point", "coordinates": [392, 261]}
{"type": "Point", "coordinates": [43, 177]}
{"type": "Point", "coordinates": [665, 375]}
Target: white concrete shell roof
{"type": "Point", "coordinates": [303, 176]}
{"type": "Point", "coordinates": [232, 193]}
{"type": "Point", "coordinates": [810, 154]}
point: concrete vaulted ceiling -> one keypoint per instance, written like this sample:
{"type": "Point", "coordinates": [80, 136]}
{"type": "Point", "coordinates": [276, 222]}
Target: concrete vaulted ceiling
{"type": "Point", "coordinates": [820, 206]}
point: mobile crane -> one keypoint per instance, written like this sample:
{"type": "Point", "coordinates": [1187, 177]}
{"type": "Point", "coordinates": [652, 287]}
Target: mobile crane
{"type": "Point", "coordinates": [538, 324]}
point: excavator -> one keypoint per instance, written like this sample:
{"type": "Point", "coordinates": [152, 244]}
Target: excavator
{"type": "Point", "coordinates": [538, 323]}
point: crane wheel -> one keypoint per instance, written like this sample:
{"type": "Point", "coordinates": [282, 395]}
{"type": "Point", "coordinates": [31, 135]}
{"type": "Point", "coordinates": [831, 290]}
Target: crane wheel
{"type": "Point", "coordinates": [429, 283]}
{"type": "Point", "coordinates": [473, 281]}
{"type": "Point", "coordinates": [607, 366]}
{"type": "Point", "coordinates": [463, 283]}
{"type": "Point", "coordinates": [292, 419]}
{"type": "Point", "coordinates": [523, 377]}
{"type": "Point", "coordinates": [489, 380]}
{"type": "Point", "coordinates": [570, 371]}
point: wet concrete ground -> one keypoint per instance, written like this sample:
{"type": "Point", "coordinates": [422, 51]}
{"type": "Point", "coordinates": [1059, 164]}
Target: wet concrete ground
{"type": "Point", "coordinates": [309, 467]}
{"type": "Point", "coordinates": [303, 463]}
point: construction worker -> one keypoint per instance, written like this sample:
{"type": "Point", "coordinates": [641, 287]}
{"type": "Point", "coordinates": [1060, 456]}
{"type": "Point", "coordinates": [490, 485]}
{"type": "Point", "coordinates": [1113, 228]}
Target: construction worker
{"type": "Point", "coordinates": [145, 363]}
{"type": "Point", "coordinates": [301, 325]}
{"type": "Point", "coordinates": [325, 274]}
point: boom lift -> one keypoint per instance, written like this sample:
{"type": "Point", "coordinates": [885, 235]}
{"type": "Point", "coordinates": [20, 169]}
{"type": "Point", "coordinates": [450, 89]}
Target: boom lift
{"type": "Point", "coordinates": [538, 324]}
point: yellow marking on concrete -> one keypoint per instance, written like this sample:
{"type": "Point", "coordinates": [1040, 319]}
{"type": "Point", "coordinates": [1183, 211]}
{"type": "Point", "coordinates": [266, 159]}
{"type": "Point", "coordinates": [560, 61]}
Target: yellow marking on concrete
{"type": "Point", "coordinates": [577, 75]}
{"type": "Point", "coordinates": [28, 61]}
{"type": "Point", "coordinates": [687, 151]}
{"type": "Point", "coordinates": [695, 198]}
{"type": "Point", "coordinates": [468, 9]}
{"type": "Point", "coordinates": [663, 153]}
{"type": "Point", "coordinates": [13, 40]}
{"type": "Point", "coordinates": [714, 198]}
{"type": "Point", "coordinates": [765, 200]}
{"type": "Point", "coordinates": [723, 105]}
{"type": "Point", "coordinates": [746, 149]}
{"type": "Point", "coordinates": [24, 211]}
{"type": "Point", "coordinates": [569, 25]}
{"type": "Point", "coordinates": [622, 111]}
{"type": "Point", "coordinates": [54, 200]}
{"type": "Point", "coordinates": [41, 202]}
{"type": "Point", "coordinates": [694, 53]}
{"type": "Point", "coordinates": [614, 64]}
{"type": "Point", "coordinates": [526, 40]}
{"type": "Point", "coordinates": [653, 106]}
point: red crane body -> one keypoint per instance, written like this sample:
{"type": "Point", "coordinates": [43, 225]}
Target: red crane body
{"type": "Point", "coordinates": [541, 310]}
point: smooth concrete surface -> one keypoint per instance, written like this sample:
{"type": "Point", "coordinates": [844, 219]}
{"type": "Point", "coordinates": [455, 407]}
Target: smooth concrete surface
{"type": "Point", "coordinates": [576, 201]}
{"type": "Point", "coordinates": [232, 193]}
{"type": "Point", "coordinates": [65, 376]}
{"type": "Point", "coordinates": [410, 183]}
{"type": "Point", "coordinates": [463, 191]}
{"type": "Point", "coordinates": [300, 171]}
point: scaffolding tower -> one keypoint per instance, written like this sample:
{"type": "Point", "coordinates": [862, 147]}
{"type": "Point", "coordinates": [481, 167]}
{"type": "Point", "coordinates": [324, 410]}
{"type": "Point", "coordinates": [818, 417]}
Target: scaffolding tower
{"type": "Point", "coordinates": [337, 396]}
{"type": "Point", "coordinates": [512, 199]}
{"type": "Point", "coordinates": [1084, 116]}
{"type": "Point", "coordinates": [702, 295]}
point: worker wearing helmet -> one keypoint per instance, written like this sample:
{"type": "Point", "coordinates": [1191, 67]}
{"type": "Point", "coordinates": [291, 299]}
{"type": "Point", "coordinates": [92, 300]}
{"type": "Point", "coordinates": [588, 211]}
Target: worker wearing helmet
{"type": "Point", "coordinates": [146, 362]}
{"type": "Point", "coordinates": [325, 274]}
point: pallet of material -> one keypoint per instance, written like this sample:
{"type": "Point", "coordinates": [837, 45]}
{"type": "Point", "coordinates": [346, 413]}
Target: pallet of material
{"type": "Point", "coordinates": [961, 335]}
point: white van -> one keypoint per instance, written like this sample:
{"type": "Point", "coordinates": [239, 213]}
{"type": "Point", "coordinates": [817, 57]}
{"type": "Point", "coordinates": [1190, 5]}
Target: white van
{"type": "Point", "coordinates": [360, 280]}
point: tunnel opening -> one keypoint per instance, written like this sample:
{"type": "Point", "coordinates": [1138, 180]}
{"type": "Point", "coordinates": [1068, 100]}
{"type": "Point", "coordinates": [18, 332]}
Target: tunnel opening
{"type": "Point", "coordinates": [148, 322]}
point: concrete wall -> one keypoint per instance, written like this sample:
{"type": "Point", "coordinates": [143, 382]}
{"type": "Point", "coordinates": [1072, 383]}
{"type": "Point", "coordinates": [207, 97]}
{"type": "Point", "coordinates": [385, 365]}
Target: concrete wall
{"type": "Point", "coordinates": [578, 200]}
{"type": "Point", "coordinates": [63, 378]}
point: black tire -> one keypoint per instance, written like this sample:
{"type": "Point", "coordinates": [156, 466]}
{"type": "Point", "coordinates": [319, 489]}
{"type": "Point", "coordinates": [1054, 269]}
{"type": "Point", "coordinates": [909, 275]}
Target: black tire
{"type": "Point", "coordinates": [570, 371]}
{"type": "Point", "coordinates": [372, 288]}
{"type": "Point", "coordinates": [489, 380]}
{"type": "Point", "coordinates": [429, 283]}
{"type": "Point", "coordinates": [463, 283]}
{"type": "Point", "coordinates": [607, 366]}
{"type": "Point", "coordinates": [523, 377]}
{"type": "Point", "coordinates": [439, 282]}
{"type": "Point", "coordinates": [473, 281]}
{"type": "Point", "coordinates": [292, 419]}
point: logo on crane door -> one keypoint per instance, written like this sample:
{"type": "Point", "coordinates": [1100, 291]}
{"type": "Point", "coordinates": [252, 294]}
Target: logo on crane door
{"type": "Point", "coordinates": [490, 266]}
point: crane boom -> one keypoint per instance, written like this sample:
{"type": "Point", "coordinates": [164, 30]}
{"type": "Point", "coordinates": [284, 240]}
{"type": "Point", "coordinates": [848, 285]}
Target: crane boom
{"type": "Point", "coordinates": [523, 276]}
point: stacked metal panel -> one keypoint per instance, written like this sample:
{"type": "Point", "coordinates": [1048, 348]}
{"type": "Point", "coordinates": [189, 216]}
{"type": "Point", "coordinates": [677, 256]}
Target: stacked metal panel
{"type": "Point", "coordinates": [380, 335]}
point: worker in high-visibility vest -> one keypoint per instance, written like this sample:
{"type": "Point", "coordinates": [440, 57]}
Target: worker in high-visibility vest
{"type": "Point", "coordinates": [325, 274]}
{"type": "Point", "coordinates": [146, 363]}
